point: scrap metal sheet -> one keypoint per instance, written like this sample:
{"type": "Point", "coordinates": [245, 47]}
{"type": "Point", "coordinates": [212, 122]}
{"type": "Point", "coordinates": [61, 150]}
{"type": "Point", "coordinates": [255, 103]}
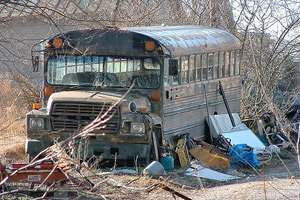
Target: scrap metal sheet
{"type": "Point", "coordinates": [202, 172]}
{"type": "Point", "coordinates": [240, 134]}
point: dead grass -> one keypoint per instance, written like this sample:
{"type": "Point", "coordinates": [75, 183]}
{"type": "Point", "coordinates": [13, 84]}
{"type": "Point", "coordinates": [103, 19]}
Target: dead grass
{"type": "Point", "coordinates": [15, 151]}
{"type": "Point", "coordinates": [16, 97]}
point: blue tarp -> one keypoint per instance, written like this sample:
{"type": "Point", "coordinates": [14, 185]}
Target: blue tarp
{"type": "Point", "coordinates": [244, 156]}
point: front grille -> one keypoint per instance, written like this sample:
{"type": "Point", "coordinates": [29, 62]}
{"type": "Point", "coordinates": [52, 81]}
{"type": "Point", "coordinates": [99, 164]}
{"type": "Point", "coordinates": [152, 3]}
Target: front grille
{"type": "Point", "coordinates": [67, 116]}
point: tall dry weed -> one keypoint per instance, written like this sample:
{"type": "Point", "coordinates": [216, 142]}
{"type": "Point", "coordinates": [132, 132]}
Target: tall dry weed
{"type": "Point", "coordinates": [16, 98]}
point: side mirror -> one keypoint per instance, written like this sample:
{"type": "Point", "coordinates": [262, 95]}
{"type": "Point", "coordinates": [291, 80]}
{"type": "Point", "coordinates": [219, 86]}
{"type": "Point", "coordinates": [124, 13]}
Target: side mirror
{"type": "Point", "coordinates": [173, 67]}
{"type": "Point", "coordinates": [35, 63]}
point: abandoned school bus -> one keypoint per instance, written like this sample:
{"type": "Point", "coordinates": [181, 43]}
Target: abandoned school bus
{"type": "Point", "coordinates": [171, 73]}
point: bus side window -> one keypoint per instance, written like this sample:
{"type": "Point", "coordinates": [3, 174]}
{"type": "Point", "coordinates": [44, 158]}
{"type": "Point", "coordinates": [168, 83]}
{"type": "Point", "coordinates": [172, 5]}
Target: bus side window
{"type": "Point", "coordinates": [222, 64]}
{"type": "Point", "coordinates": [123, 65]}
{"type": "Point", "coordinates": [88, 64]}
{"type": "Point", "coordinates": [117, 65]}
{"type": "Point", "coordinates": [216, 65]}
{"type": "Point", "coordinates": [184, 69]}
{"type": "Point", "coordinates": [210, 65]}
{"type": "Point", "coordinates": [198, 67]}
{"type": "Point", "coordinates": [204, 66]}
{"type": "Point", "coordinates": [96, 64]}
{"type": "Point", "coordinates": [237, 62]}
{"type": "Point", "coordinates": [192, 68]}
{"type": "Point", "coordinates": [110, 65]}
{"type": "Point", "coordinates": [166, 72]}
{"type": "Point", "coordinates": [227, 63]}
{"type": "Point", "coordinates": [176, 78]}
{"type": "Point", "coordinates": [232, 64]}
{"type": "Point", "coordinates": [137, 64]}
{"type": "Point", "coordinates": [130, 65]}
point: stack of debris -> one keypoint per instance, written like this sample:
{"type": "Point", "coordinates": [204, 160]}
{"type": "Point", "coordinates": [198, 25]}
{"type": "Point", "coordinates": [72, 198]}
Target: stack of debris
{"type": "Point", "coordinates": [233, 145]}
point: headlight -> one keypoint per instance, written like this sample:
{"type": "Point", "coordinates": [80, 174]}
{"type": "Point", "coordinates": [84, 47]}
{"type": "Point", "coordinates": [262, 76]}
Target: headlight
{"type": "Point", "coordinates": [132, 106]}
{"type": "Point", "coordinates": [137, 128]}
{"type": "Point", "coordinates": [36, 123]}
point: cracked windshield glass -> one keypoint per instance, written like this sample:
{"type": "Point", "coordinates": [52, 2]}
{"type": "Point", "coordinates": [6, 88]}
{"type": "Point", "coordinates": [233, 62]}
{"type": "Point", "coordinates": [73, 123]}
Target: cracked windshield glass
{"type": "Point", "coordinates": [103, 71]}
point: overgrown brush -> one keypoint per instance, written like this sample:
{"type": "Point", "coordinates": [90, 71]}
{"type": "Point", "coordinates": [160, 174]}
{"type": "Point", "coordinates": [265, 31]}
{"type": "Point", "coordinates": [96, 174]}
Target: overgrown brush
{"type": "Point", "coordinates": [17, 96]}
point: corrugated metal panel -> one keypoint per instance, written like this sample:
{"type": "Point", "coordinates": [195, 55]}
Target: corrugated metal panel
{"type": "Point", "coordinates": [180, 40]}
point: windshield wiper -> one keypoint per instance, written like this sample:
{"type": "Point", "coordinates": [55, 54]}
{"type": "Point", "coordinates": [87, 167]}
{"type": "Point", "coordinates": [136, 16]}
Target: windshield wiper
{"type": "Point", "coordinates": [78, 86]}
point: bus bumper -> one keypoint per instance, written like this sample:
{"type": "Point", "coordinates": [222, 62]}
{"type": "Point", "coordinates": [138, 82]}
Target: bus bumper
{"type": "Point", "coordinates": [122, 151]}
{"type": "Point", "coordinates": [107, 150]}
{"type": "Point", "coordinates": [33, 147]}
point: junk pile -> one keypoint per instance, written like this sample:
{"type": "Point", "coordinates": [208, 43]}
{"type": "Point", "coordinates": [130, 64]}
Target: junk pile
{"type": "Point", "coordinates": [233, 145]}
{"type": "Point", "coordinates": [238, 141]}
{"type": "Point", "coordinates": [266, 128]}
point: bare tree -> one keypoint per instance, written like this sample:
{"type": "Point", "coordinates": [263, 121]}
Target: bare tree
{"type": "Point", "coordinates": [268, 31]}
{"type": "Point", "coordinates": [269, 34]}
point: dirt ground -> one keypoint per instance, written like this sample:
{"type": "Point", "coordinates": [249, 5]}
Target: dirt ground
{"type": "Point", "coordinates": [277, 179]}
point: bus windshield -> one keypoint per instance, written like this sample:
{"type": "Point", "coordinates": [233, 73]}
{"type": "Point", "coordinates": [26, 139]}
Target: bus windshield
{"type": "Point", "coordinates": [75, 70]}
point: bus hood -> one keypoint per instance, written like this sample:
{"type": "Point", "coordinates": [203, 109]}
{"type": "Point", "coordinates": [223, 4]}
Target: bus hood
{"type": "Point", "coordinates": [84, 96]}
{"type": "Point", "coordinates": [107, 98]}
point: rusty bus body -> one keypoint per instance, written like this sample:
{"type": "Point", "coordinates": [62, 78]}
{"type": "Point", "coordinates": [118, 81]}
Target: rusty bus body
{"type": "Point", "coordinates": [175, 72]}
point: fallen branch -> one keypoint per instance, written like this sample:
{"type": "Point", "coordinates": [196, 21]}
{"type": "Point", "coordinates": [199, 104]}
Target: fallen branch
{"type": "Point", "coordinates": [164, 187]}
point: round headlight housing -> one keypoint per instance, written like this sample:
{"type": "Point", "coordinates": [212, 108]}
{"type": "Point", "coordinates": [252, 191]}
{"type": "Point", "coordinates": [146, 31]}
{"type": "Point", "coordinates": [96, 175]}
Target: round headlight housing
{"type": "Point", "coordinates": [132, 106]}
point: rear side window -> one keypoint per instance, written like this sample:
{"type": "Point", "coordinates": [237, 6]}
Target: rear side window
{"type": "Point", "coordinates": [237, 62]}
{"type": "Point", "coordinates": [227, 64]}
{"type": "Point", "coordinates": [198, 67]}
{"type": "Point", "coordinates": [204, 66]}
{"type": "Point", "coordinates": [176, 78]}
{"type": "Point", "coordinates": [232, 63]}
{"type": "Point", "coordinates": [192, 68]}
{"type": "Point", "coordinates": [216, 65]}
{"type": "Point", "coordinates": [184, 69]}
{"type": "Point", "coordinates": [210, 65]}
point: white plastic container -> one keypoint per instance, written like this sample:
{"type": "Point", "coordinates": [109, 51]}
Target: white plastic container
{"type": "Point", "coordinates": [154, 169]}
